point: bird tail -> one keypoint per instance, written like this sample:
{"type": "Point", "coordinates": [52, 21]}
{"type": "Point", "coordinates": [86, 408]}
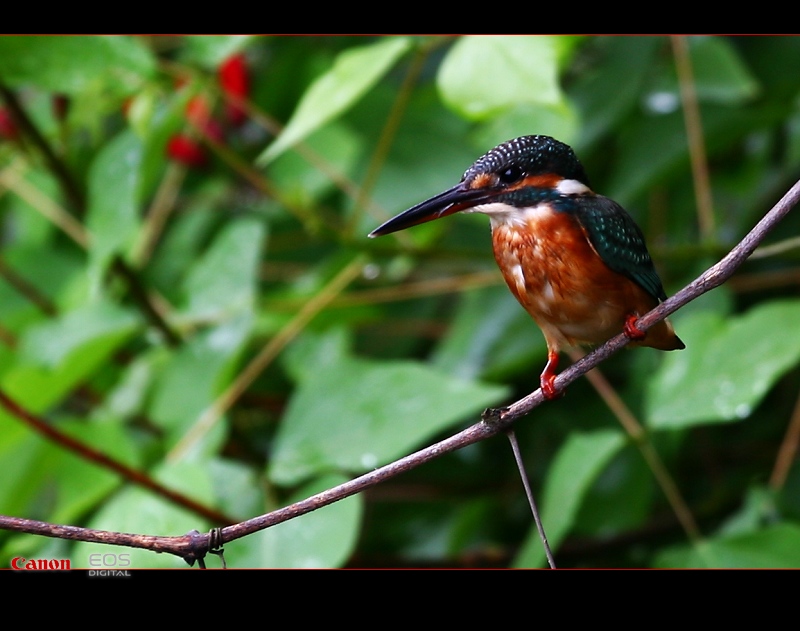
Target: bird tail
{"type": "Point", "coordinates": [662, 336]}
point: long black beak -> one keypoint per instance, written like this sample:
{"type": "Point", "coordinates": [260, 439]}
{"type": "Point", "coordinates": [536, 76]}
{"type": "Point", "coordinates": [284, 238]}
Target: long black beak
{"type": "Point", "coordinates": [450, 201]}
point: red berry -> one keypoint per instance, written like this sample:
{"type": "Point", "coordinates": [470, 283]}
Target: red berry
{"type": "Point", "coordinates": [198, 112]}
{"type": "Point", "coordinates": [8, 127]}
{"type": "Point", "coordinates": [186, 151]}
{"type": "Point", "coordinates": [60, 106]}
{"type": "Point", "coordinates": [235, 81]}
{"type": "Point", "coordinates": [214, 131]}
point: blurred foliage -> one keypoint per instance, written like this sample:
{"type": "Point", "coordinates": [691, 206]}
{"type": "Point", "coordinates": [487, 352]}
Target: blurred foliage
{"type": "Point", "coordinates": [192, 292]}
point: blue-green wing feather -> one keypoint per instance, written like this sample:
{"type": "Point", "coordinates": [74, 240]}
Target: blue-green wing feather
{"type": "Point", "coordinates": [619, 241]}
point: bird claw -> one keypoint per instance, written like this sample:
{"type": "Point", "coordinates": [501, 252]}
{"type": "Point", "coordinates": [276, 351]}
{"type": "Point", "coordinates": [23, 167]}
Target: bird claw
{"type": "Point", "coordinates": [547, 379]}
{"type": "Point", "coordinates": [549, 390]}
{"type": "Point", "coordinates": [632, 331]}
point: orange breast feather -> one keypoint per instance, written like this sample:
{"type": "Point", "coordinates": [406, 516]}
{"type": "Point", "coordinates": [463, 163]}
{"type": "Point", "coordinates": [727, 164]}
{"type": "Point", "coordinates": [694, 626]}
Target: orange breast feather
{"type": "Point", "coordinates": [555, 273]}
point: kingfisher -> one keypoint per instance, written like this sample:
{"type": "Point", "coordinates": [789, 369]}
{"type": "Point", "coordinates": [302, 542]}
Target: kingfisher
{"type": "Point", "coordinates": [575, 260]}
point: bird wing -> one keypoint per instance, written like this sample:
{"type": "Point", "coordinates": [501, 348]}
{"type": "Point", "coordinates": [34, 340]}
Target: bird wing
{"type": "Point", "coordinates": [617, 239]}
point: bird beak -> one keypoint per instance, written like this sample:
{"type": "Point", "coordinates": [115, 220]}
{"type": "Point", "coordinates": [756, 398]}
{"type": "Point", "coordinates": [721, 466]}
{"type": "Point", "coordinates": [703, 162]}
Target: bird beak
{"type": "Point", "coordinates": [460, 197]}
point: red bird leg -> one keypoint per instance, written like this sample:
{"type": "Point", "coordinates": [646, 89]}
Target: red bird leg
{"type": "Point", "coordinates": [631, 330]}
{"type": "Point", "coordinates": [548, 376]}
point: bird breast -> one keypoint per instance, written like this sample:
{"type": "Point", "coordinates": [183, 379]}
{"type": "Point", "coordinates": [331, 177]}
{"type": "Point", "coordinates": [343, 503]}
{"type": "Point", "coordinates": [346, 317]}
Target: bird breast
{"type": "Point", "coordinates": [555, 273]}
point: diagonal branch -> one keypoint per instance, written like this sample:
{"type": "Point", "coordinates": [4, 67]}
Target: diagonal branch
{"type": "Point", "coordinates": [498, 420]}
{"type": "Point", "coordinates": [70, 186]}
{"type": "Point", "coordinates": [713, 277]}
{"type": "Point", "coordinates": [494, 421]}
{"type": "Point", "coordinates": [91, 454]}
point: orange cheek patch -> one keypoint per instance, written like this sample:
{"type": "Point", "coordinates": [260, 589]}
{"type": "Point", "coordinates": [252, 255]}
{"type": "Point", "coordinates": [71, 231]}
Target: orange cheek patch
{"type": "Point", "coordinates": [483, 180]}
{"type": "Point", "coordinates": [544, 180]}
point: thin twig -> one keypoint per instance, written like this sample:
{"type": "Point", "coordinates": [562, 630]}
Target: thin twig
{"type": "Point", "coordinates": [792, 243]}
{"type": "Point", "coordinates": [640, 438]}
{"type": "Point", "coordinates": [91, 454]}
{"type": "Point", "coordinates": [274, 128]}
{"type": "Point", "coordinates": [160, 209]}
{"type": "Point", "coordinates": [12, 179]}
{"type": "Point", "coordinates": [258, 180]}
{"type": "Point", "coordinates": [68, 183]}
{"type": "Point", "coordinates": [222, 404]}
{"type": "Point", "coordinates": [523, 474]}
{"type": "Point", "coordinates": [694, 132]}
{"type": "Point", "coordinates": [27, 289]}
{"type": "Point", "coordinates": [387, 135]}
{"type": "Point", "coordinates": [761, 281]}
{"type": "Point", "coordinates": [407, 291]}
{"type": "Point", "coordinates": [190, 547]}
{"type": "Point", "coordinates": [787, 452]}
{"type": "Point", "coordinates": [140, 295]}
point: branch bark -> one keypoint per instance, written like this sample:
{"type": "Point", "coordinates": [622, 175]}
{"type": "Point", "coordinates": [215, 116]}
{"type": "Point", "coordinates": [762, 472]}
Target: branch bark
{"type": "Point", "coordinates": [193, 546]}
{"type": "Point", "coordinates": [91, 454]}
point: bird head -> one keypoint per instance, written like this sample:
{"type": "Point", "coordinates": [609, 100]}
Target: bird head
{"type": "Point", "coordinates": [519, 173]}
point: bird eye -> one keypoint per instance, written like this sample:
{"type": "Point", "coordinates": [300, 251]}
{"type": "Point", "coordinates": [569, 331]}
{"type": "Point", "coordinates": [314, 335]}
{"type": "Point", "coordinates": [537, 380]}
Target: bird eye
{"type": "Point", "coordinates": [510, 175]}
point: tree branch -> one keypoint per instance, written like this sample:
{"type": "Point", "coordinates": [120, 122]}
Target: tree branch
{"type": "Point", "coordinates": [69, 185]}
{"type": "Point", "coordinates": [498, 420]}
{"type": "Point", "coordinates": [193, 546]}
{"type": "Point", "coordinates": [138, 292]}
{"type": "Point", "coordinates": [93, 455]}
{"type": "Point", "coordinates": [190, 547]}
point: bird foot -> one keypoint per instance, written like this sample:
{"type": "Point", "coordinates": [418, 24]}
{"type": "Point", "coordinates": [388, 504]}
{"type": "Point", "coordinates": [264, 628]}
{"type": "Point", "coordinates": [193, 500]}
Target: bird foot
{"type": "Point", "coordinates": [631, 330]}
{"type": "Point", "coordinates": [549, 390]}
{"type": "Point", "coordinates": [548, 377]}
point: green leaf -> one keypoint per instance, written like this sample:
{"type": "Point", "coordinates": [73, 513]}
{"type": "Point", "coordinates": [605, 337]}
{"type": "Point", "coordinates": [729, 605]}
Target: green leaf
{"type": "Point", "coordinates": [184, 245]}
{"type": "Point", "coordinates": [559, 121]}
{"type": "Point", "coordinates": [601, 98]}
{"type": "Point", "coordinates": [353, 73]}
{"type": "Point", "coordinates": [78, 484]}
{"type": "Point", "coordinates": [638, 166]}
{"type": "Point", "coordinates": [302, 183]}
{"type": "Point", "coordinates": [238, 487]}
{"type": "Point", "coordinates": [38, 387]}
{"type": "Point", "coordinates": [113, 216]}
{"type": "Point", "coordinates": [490, 335]}
{"type": "Point", "coordinates": [224, 280]}
{"type": "Point", "coordinates": [719, 72]}
{"type": "Point", "coordinates": [33, 227]}
{"type": "Point", "coordinates": [324, 538]}
{"type": "Point", "coordinates": [126, 398]}
{"type": "Point", "coordinates": [49, 343]}
{"type": "Point", "coordinates": [758, 508]}
{"type": "Point", "coordinates": [21, 452]}
{"type": "Point", "coordinates": [621, 498]}
{"type": "Point", "coordinates": [482, 75]}
{"type": "Point", "coordinates": [196, 374]}
{"type": "Point", "coordinates": [72, 64]}
{"type": "Point", "coordinates": [311, 351]}
{"type": "Point", "coordinates": [355, 415]}
{"type": "Point", "coordinates": [776, 546]}
{"type": "Point", "coordinates": [211, 50]}
{"type": "Point", "coordinates": [47, 269]}
{"type": "Point", "coordinates": [578, 463]}
{"type": "Point", "coordinates": [727, 367]}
